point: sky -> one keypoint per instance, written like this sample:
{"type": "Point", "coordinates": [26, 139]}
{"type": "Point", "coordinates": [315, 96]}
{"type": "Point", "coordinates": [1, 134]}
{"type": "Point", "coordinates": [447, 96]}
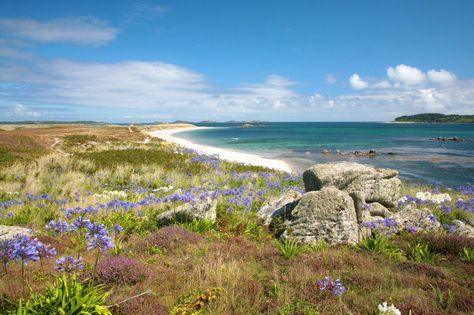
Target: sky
{"type": "Point", "coordinates": [145, 61]}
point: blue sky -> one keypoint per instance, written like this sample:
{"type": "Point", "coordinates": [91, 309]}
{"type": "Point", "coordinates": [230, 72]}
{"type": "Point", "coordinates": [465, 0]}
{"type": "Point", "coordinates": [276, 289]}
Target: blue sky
{"type": "Point", "coordinates": [133, 61]}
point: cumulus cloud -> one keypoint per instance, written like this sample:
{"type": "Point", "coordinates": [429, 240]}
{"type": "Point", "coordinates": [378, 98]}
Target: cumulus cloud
{"type": "Point", "coordinates": [357, 83]}
{"type": "Point", "coordinates": [79, 30]}
{"type": "Point", "coordinates": [140, 90]}
{"type": "Point", "coordinates": [21, 111]}
{"type": "Point", "coordinates": [441, 76]}
{"type": "Point", "coordinates": [406, 74]}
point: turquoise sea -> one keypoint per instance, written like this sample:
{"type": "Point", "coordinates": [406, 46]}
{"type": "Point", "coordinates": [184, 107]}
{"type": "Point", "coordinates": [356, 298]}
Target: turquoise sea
{"type": "Point", "coordinates": [408, 148]}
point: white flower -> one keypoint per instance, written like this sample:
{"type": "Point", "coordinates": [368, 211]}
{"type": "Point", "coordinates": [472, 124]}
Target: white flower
{"type": "Point", "coordinates": [435, 198]}
{"type": "Point", "coordinates": [164, 189]}
{"type": "Point", "coordinates": [384, 309]}
{"type": "Point", "coordinates": [109, 194]}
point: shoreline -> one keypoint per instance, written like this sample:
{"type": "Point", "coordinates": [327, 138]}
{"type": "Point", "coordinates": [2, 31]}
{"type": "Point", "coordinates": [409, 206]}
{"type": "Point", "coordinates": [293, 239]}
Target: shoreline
{"type": "Point", "coordinates": [224, 154]}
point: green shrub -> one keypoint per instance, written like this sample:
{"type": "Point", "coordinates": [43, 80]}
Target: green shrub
{"type": "Point", "coordinates": [299, 307]}
{"type": "Point", "coordinates": [199, 226]}
{"type": "Point", "coordinates": [316, 246]}
{"type": "Point", "coordinates": [289, 248]}
{"type": "Point", "coordinates": [420, 252]}
{"type": "Point", "coordinates": [444, 302]}
{"type": "Point", "coordinates": [467, 254]}
{"type": "Point", "coordinates": [67, 296]}
{"type": "Point", "coordinates": [382, 245]}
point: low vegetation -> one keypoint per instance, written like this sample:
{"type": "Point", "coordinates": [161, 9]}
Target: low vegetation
{"type": "Point", "coordinates": [93, 199]}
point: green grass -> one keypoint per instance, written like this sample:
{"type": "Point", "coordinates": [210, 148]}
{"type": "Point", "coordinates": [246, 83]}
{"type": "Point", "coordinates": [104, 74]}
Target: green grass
{"type": "Point", "coordinates": [382, 245]}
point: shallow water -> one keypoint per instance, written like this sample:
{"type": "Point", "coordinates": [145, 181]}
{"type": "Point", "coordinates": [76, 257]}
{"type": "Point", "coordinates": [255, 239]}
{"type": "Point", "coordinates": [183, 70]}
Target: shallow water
{"type": "Point", "coordinates": [408, 148]}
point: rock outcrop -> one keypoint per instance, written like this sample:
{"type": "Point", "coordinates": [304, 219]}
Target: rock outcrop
{"type": "Point", "coordinates": [279, 207]}
{"type": "Point", "coordinates": [204, 210]}
{"type": "Point", "coordinates": [374, 184]}
{"type": "Point", "coordinates": [340, 198]}
{"type": "Point", "coordinates": [9, 232]}
{"type": "Point", "coordinates": [328, 215]}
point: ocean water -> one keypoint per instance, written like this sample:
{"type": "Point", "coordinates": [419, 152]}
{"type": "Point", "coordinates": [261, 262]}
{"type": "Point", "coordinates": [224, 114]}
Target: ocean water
{"type": "Point", "coordinates": [408, 148]}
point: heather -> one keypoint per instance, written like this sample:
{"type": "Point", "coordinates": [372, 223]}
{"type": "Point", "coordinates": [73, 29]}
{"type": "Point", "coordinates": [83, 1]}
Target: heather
{"type": "Point", "coordinates": [93, 200]}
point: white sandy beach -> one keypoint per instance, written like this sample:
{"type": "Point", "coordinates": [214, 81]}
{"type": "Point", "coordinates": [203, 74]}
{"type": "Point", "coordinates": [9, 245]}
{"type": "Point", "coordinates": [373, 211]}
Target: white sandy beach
{"type": "Point", "coordinates": [232, 156]}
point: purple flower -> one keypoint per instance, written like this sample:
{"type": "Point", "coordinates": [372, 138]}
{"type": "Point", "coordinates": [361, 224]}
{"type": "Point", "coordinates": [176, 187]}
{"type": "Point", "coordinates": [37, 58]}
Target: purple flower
{"type": "Point", "coordinates": [6, 248]}
{"type": "Point", "coordinates": [451, 228]}
{"type": "Point", "coordinates": [433, 218]}
{"type": "Point", "coordinates": [389, 222]}
{"type": "Point", "coordinates": [81, 223]}
{"type": "Point", "coordinates": [412, 229]}
{"type": "Point", "coordinates": [100, 242]}
{"type": "Point", "coordinates": [446, 209]}
{"type": "Point", "coordinates": [58, 227]}
{"type": "Point", "coordinates": [117, 228]}
{"type": "Point", "coordinates": [98, 238]}
{"type": "Point", "coordinates": [68, 264]}
{"type": "Point", "coordinates": [328, 284]}
{"type": "Point", "coordinates": [370, 225]}
{"type": "Point", "coordinates": [45, 251]}
{"type": "Point", "coordinates": [25, 249]}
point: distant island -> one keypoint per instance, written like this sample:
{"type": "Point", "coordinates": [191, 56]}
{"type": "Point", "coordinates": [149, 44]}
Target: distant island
{"type": "Point", "coordinates": [436, 118]}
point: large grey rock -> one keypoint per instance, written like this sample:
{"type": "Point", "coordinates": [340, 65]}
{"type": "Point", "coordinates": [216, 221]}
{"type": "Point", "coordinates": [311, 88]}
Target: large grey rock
{"type": "Point", "coordinates": [463, 228]}
{"type": "Point", "coordinates": [278, 207]}
{"type": "Point", "coordinates": [376, 209]}
{"type": "Point", "coordinates": [373, 184]}
{"type": "Point", "coordinates": [328, 215]}
{"type": "Point", "coordinates": [385, 191]}
{"type": "Point", "coordinates": [9, 232]}
{"type": "Point", "coordinates": [408, 219]}
{"type": "Point", "coordinates": [341, 174]}
{"type": "Point", "coordinates": [203, 210]}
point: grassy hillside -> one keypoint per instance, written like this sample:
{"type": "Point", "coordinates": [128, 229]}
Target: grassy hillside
{"type": "Point", "coordinates": [436, 118]}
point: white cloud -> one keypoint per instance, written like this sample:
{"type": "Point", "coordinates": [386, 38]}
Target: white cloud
{"type": "Point", "coordinates": [21, 111]}
{"type": "Point", "coordinates": [331, 78]}
{"type": "Point", "coordinates": [441, 76]}
{"type": "Point", "coordinates": [382, 85]}
{"type": "Point", "coordinates": [80, 30]}
{"type": "Point", "coordinates": [357, 83]}
{"type": "Point", "coordinates": [406, 74]}
{"type": "Point", "coordinates": [140, 90]}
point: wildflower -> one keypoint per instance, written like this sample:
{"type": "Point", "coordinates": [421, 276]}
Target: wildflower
{"type": "Point", "coordinates": [81, 223]}
{"type": "Point", "coordinates": [446, 209]}
{"type": "Point", "coordinates": [24, 249]}
{"type": "Point", "coordinates": [370, 225]}
{"type": "Point", "coordinates": [412, 229]}
{"type": "Point", "coordinates": [68, 264]}
{"type": "Point", "coordinates": [384, 309]}
{"type": "Point", "coordinates": [434, 198]}
{"type": "Point", "coordinates": [98, 238]}
{"type": "Point", "coordinates": [6, 248]}
{"type": "Point", "coordinates": [389, 222]}
{"type": "Point", "coordinates": [328, 284]}
{"type": "Point", "coordinates": [117, 228]}
{"type": "Point", "coordinates": [45, 251]}
{"type": "Point", "coordinates": [451, 228]}
{"type": "Point", "coordinates": [58, 227]}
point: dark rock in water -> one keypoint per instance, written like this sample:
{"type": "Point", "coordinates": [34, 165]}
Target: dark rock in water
{"type": "Point", "coordinates": [450, 139]}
